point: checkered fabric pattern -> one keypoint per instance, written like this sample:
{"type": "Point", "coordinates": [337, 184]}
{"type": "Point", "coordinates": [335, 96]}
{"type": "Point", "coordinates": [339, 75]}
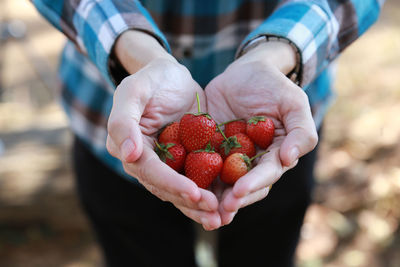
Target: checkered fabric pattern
{"type": "Point", "coordinates": [204, 35]}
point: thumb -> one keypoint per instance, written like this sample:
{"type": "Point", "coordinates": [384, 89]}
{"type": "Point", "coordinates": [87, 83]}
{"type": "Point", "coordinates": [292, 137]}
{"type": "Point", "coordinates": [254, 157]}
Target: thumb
{"type": "Point", "coordinates": [301, 137]}
{"type": "Point", "coordinates": [123, 124]}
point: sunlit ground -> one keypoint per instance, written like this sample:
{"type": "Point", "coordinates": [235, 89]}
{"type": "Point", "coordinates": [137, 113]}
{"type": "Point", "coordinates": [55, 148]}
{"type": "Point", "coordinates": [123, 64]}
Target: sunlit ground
{"type": "Point", "coordinates": [354, 221]}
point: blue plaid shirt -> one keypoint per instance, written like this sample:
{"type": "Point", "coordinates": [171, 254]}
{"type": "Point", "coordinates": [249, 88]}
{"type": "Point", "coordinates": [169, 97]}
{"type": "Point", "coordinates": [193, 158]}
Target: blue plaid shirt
{"type": "Point", "coordinates": [204, 35]}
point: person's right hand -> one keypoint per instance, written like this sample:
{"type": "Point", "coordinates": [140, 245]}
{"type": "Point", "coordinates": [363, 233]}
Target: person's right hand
{"type": "Point", "coordinates": [160, 91]}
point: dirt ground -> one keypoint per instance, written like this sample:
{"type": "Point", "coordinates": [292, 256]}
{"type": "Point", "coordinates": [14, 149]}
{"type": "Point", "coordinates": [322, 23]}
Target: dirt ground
{"type": "Point", "coordinates": [355, 218]}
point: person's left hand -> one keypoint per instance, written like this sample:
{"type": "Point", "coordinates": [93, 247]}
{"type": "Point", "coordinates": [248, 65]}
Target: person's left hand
{"type": "Point", "coordinates": [255, 84]}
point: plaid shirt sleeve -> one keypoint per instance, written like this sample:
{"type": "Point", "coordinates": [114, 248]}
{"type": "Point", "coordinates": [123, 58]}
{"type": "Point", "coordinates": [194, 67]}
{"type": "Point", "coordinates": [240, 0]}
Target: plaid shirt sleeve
{"type": "Point", "coordinates": [94, 26]}
{"type": "Point", "coordinates": [320, 29]}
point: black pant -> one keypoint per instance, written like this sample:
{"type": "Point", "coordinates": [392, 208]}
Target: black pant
{"type": "Point", "coordinates": [135, 228]}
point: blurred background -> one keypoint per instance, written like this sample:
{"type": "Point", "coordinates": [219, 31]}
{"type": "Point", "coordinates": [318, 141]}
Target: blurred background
{"type": "Point", "coordinates": [353, 222]}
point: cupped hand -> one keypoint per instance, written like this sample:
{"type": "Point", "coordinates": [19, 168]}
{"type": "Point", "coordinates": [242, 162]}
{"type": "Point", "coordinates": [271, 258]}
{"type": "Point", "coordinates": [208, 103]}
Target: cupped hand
{"type": "Point", "coordinates": [255, 84]}
{"type": "Point", "coordinates": [159, 93]}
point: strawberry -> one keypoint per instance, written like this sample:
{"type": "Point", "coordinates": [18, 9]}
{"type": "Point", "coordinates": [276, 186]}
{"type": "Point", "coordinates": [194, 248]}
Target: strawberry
{"type": "Point", "coordinates": [216, 141]}
{"type": "Point", "coordinates": [170, 134]}
{"type": "Point", "coordinates": [173, 155]}
{"type": "Point", "coordinates": [235, 126]}
{"type": "Point", "coordinates": [261, 130]}
{"type": "Point", "coordinates": [238, 143]}
{"type": "Point", "coordinates": [196, 130]}
{"type": "Point", "coordinates": [235, 166]}
{"type": "Point", "coordinates": [203, 166]}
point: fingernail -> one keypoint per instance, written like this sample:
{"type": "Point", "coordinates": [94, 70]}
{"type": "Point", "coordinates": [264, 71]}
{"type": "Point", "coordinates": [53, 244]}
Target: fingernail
{"type": "Point", "coordinates": [294, 155]}
{"type": "Point", "coordinates": [127, 148]}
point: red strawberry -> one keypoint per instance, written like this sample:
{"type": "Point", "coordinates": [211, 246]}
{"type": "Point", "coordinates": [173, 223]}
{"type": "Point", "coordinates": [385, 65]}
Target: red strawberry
{"type": "Point", "coordinates": [170, 134]}
{"type": "Point", "coordinates": [238, 143]}
{"type": "Point", "coordinates": [173, 155]}
{"type": "Point", "coordinates": [261, 130]}
{"type": "Point", "coordinates": [196, 130]}
{"type": "Point", "coordinates": [216, 141]}
{"type": "Point", "coordinates": [234, 127]}
{"type": "Point", "coordinates": [235, 166]}
{"type": "Point", "coordinates": [203, 166]}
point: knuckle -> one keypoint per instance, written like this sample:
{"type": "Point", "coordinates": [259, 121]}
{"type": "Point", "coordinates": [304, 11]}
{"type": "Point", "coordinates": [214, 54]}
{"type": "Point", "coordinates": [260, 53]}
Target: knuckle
{"type": "Point", "coordinates": [114, 124]}
{"type": "Point", "coordinates": [110, 147]}
{"type": "Point", "coordinates": [313, 139]}
{"type": "Point", "coordinates": [246, 187]}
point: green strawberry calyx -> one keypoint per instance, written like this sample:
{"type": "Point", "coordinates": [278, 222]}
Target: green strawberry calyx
{"type": "Point", "coordinates": [209, 149]}
{"type": "Point", "coordinates": [256, 119]}
{"type": "Point", "coordinates": [162, 151]}
{"type": "Point", "coordinates": [229, 143]}
{"type": "Point", "coordinates": [246, 160]}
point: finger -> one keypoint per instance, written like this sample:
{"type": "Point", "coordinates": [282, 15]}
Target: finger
{"type": "Point", "coordinates": [112, 148]}
{"type": "Point", "coordinates": [208, 200]}
{"type": "Point", "coordinates": [150, 170]}
{"type": "Point", "coordinates": [267, 172]}
{"type": "Point", "coordinates": [226, 216]}
{"type": "Point", "coordinates": [301, 136]}
{"type": "Point", "coordinates": [185, 201]}
{"type": "Point", "coordinates": [209, 220]}
{"type": "Point", "coordinates": [232, 204]}
{"type": "Point", "coordinates": [162, 176]}
{"type": "Point", "coordinates": [123, 124]}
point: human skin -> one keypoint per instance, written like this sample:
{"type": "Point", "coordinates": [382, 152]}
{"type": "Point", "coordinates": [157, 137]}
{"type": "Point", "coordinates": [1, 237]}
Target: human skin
{"type": "Point", "coordinates": [256, 84]}
{"type": "Point", "coordinates": [158, 91]}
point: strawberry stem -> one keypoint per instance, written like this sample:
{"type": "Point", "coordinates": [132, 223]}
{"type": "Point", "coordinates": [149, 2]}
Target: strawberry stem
{"type": "Point", "coordinates": [230, 121]}
{"type": "Point", "coordinates": [198, 102]}
{"type": "Point", "coordinates": [259, 155]}
{"type": "Point", "coordinates": [223, 135]}
{"type": "Point", "coordinates": [158, 145]}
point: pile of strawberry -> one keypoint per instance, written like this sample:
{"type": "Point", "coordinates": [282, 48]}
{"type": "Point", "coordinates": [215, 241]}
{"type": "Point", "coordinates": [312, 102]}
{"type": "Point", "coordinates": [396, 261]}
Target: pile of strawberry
{"type": "Point", "coordinates": [197, 147]}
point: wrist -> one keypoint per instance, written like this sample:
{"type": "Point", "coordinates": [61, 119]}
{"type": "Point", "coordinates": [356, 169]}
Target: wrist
{"type": "Point", "coordinates": [275, 53]}
{"type": "Point", "coordinates": [135, 49]}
